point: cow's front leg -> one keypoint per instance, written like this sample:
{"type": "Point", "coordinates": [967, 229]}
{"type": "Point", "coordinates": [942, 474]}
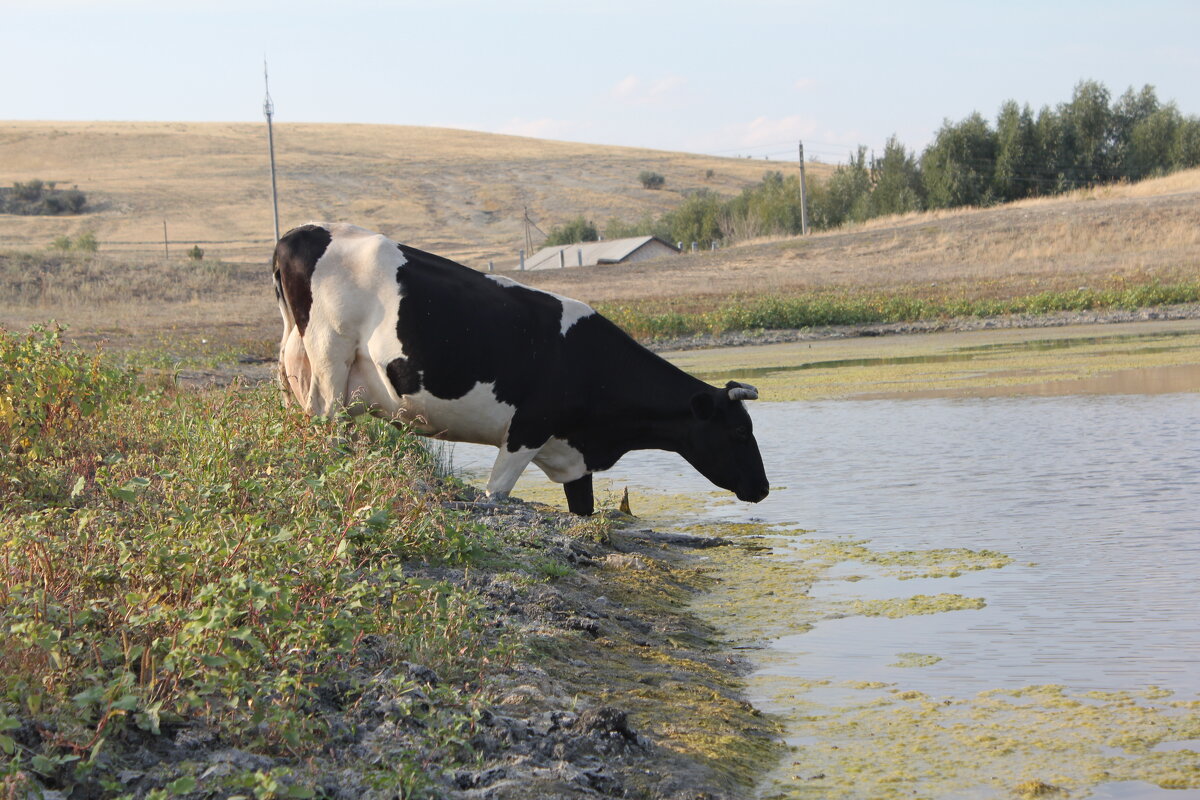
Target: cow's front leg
{"type": "Point", "coordinates": [580, 499]}
{"type": "Point", "coordinates": [508, 467]}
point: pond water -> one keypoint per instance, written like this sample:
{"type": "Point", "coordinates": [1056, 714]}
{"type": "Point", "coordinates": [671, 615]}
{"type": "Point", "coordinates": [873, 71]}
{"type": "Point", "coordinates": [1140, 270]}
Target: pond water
{"type": "Point", "coordinates": [1096, 500]}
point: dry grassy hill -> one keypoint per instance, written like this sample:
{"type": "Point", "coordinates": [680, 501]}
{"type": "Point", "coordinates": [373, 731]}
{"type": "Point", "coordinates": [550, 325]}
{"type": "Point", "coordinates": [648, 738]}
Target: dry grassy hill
{"type": "Point", "coordinates": [1140, 232]}
{"type": "Point", "coordinates": [458, 193]}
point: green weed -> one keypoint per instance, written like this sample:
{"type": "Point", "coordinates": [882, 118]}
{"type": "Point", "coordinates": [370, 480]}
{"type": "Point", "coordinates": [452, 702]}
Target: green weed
{"type": "Point", "coordinates": [653, 320]}
{"type": "Point", "coordinates": [171, 559]}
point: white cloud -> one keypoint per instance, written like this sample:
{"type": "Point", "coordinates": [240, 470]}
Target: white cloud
{"type": "Point", "coordinates": [804, 84]}
{"type": "Point", "coordinates": [633, 90]}
{"type": "Point", "coordinates": [765, 131]}
{"type": "Point", "coordinates": [758, 136]}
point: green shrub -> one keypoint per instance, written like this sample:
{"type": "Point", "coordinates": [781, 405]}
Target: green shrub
{"type": "Point", "coordinates": [579, 229]}
{"type": "Point", "coordinates": [651, 180]}
{"type": "Point", "coordinates": [86, 242]}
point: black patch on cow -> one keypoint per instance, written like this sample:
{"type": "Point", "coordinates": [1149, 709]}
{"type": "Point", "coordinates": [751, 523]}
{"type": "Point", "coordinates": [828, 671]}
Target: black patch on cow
{"type": "Point", "coordinates": [404, 377]}
{"type": "Point", "coordinates": [296, 255]}
{"type": "Point", "coordinates": [459, 328]}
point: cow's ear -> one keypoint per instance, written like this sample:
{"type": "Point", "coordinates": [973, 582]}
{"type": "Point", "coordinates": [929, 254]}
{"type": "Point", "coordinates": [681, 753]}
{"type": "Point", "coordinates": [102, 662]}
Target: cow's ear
{"type": "Point", "coordinates": [703, 406]}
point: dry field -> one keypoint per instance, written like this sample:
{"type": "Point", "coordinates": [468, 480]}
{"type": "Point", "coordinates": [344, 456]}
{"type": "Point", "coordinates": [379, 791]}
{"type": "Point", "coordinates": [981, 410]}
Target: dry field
{"type": "Point", "coordinates": [458, 193]}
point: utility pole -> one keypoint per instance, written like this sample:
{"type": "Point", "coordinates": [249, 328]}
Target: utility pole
{"type": "Point", "coordinates": [269, 111]}
{"type": "Point", "coordinates": [803, 196]}
{"type": "Point", "coordinates": [528, 235]}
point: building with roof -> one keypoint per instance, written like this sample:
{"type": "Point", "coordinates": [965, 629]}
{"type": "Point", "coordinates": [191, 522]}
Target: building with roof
{"type": "Point", "coordinates": [589, 254]}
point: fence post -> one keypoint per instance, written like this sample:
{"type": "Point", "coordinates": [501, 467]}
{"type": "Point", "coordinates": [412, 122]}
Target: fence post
{"type": "Point", "coordinates": [522, 267]}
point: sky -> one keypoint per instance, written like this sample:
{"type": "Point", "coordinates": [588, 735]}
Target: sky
{"type": "Point", "coordinates": [745, 78]}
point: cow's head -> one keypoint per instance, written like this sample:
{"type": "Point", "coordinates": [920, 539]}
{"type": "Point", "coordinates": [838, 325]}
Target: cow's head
{"type": "Point", "coordinates": [721, 444]}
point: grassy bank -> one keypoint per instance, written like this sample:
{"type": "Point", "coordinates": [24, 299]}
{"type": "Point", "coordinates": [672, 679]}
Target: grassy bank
{"type": "Point", "coordinates": [206, 594]}
{"type": "Point", "coordinates": [176, 560]}
{"type": "Point", "coordinates": [689, 316]}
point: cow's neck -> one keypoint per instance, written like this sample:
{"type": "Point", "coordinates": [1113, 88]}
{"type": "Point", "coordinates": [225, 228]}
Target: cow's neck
{"type": "Point", "coordinates": [654, 416]}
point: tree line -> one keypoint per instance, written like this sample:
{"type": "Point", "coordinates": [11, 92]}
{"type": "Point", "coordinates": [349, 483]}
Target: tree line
{"type": "Point", "coordinates": [1089, 140]}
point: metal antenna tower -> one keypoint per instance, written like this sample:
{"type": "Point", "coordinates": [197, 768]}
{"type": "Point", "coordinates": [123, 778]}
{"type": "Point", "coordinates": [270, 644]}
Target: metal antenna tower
{"type": "Point", "coordinates": [269, 111]}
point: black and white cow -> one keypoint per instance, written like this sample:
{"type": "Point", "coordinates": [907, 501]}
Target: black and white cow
{"type": "Point", "coordinates": [372, 325]}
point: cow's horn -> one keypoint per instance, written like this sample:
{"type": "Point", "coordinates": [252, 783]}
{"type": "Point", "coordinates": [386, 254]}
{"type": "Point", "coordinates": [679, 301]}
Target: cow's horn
{"type": "Point", "coordinates": [741, 391]}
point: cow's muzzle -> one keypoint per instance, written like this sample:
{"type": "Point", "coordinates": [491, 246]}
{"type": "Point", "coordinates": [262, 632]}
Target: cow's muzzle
{"type": "Point", "coordinates": [753, 494]}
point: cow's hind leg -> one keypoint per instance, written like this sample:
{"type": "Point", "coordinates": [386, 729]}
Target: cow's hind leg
{"type": "Point", "coordinates": [580, 499]}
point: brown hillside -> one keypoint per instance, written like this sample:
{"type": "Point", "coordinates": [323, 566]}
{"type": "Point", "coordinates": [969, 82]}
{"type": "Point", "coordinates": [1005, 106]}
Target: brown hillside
{"type": "Point", "coordinates": [459, 193]}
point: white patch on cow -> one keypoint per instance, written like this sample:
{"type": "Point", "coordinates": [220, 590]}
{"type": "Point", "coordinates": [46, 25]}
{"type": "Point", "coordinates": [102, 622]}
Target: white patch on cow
{"type": "Point", "coordinates": [476, 417]}
{"type": "Point", "coordinates": [561, 462]}
{"type": "Point", "coordinates": [572, 310]}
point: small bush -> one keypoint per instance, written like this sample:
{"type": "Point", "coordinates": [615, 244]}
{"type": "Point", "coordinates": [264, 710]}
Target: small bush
{"type": "Point", "coordinates": [651, 180]}
{"type": "Point", "coordinates": [86, 242]}
{"type": "Point", "coordinates": [196, 253]}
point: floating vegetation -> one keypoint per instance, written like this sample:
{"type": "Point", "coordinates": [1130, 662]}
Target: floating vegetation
{"type": "Point", "coordinates": [911, 660]}
{"type": "Point", "coordinates": [896, 607]}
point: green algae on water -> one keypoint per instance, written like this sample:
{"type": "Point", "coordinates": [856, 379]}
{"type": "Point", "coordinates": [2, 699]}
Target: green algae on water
{"type": "Point", "coordinates": [896, 607]}
{"type": "Point", "coordinates": [913, 660]}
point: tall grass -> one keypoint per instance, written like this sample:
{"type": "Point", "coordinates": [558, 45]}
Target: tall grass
{"type": "Point", "coordinates": [651, 320]}
{"type": "Point", "coordinates": [175, 559]}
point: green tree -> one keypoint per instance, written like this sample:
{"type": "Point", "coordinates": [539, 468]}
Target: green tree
{"type": "Point", "coordinates": [1128, 113]}
{"type": "Point", "coordinates": [843, 198]}
{"type": "Point", "coordinates": [579, 229]}
{"type": "Point", "coordinates": [696, 220]}
{"type": "Point", "coordinates": [958, 168]}
{"type": "Point", "coordinates": [896, 182]}
{"type": "Point", "coordinates": [1017, 168]}
{"type": "Point", "coordinates": [1088, 132]}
